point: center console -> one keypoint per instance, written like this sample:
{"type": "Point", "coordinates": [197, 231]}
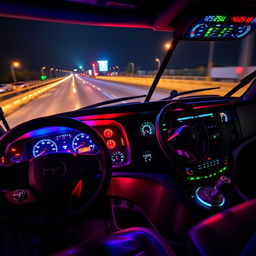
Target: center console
{"type": "Point", "coordinates": [221, 133]}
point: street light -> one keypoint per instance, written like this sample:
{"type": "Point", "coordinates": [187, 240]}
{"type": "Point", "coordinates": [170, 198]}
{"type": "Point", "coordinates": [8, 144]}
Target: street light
{"type": "Point", "coordinates": [56, 74]}
{"type": "Point", "coordinates": [158, 62]}
{"type": "Point", "coordinates": [60, 72]}
{"type": "Point", "coordinates": [14, 64]}
{"type": "Point", "coordinates": [167, 46]}
{"type": "Point", "coordinates": [114, 70]}
{"type": "Point", "coordinates": [42, 71]}
{"type": "Point", "coordinates": [132, 64]}
{"type": "Point", "coordinates": [118, 69]}
{"type": "Point", "coordinates": [51, 72]}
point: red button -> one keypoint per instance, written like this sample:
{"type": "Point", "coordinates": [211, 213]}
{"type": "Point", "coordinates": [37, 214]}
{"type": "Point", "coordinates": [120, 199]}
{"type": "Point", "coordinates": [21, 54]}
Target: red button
{"type": "Point", "coordinates": [111, 144]}
{"type": "Point", "coordinates": [108, 133]}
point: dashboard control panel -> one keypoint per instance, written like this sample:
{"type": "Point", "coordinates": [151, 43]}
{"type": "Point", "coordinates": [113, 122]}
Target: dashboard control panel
{"type": "Point", "coordinates": [222, 27]}
{"type": "Point", "coordinates": [62, 139]}
{"type": "Point", "coordinates": [221, 133]}
{"type": "Point", "coordinates": [116, 140]}
{"type": "Point", "coordinates": [207, 169]}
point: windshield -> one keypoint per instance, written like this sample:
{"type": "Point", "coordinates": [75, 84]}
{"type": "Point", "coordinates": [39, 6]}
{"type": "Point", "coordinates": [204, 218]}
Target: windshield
{"type": "Point", "coordinates": [63, 67]}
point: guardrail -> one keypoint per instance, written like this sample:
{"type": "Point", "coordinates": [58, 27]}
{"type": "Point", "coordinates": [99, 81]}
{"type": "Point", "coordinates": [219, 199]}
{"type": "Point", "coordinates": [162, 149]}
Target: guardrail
{"type": "Point", "coordinates": [183, 77]}
{"type": "Point", "coordinates": [31, 86]}
{"type": "Point", "coordinates": [11, 101]}
{"type": "Point", "coordinates": [201, 78]}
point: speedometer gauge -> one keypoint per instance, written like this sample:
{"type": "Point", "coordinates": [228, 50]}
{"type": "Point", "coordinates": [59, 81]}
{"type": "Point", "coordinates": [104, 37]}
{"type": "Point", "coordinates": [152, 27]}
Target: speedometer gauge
{"type": "Point", "coordinates": [147, 129]}
{"type": "Point", "coordinates": [117, 157]}
{"type": "Point", "coordinates": [44, 146]}
{"type": "Point", "coordinates": [82, 143]}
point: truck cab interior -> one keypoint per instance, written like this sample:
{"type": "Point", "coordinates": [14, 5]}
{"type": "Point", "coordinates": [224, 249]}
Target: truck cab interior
{"type": "Point", "coordinates": [167, 177]}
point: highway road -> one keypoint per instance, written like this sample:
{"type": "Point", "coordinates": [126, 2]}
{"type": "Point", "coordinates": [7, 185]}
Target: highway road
{"type": "Point", "coordinates": [77, 92]}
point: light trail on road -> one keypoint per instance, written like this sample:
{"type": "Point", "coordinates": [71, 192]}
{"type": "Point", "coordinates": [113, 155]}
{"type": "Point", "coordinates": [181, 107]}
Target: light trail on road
{"type": "Point", "coordinates": [77, 92]}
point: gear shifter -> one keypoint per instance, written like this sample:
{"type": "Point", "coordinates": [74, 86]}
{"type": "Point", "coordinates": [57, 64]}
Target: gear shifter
{"type": "Point", "coordinates": [213, 197]}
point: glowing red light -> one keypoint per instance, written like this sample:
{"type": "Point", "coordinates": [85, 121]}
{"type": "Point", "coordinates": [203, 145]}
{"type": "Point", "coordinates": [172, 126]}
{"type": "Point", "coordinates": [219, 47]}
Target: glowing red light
{"type": "Point", "coordinates": [111, 144]}
{"type": "Point", "coordinates": [108, 133]}
{"type": "Point", "coordinates": [13, 150]}
{"type": "Point", "coordinates": [239, 19]}
{"type": "Point", "coordinates": [239, 70]}
{"type": "Point", "coordinates": [2, 159]}
{"type": "Point", "coordinates": [77, 191]}
{"type": "Point", "coordinates": [249, 19]}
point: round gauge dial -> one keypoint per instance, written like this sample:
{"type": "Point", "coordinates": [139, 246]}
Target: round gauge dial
{"type": "Point", "coordinates": [82, 143]}
{"type": "Point", "coordinates": [117, 157]}
{"type": "Point", "coordinates": [242, 31]}
{"type": "Point", "coordinates": [224, 118]}
{"type": "Point", "coordinates": [198, 30]}
{"type": "Point", "coordinates": [147, 129]}
{"type": "Point", "coordinates": [44, 146]}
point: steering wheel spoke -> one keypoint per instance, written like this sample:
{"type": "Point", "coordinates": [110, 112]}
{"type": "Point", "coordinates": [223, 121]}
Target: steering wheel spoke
{"type": "Point", "coordinates": [14, 176]}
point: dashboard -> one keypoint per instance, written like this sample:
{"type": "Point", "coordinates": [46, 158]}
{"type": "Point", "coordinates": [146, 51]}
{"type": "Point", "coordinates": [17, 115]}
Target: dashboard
{"type": "Point", "coordinates": [130, 137]}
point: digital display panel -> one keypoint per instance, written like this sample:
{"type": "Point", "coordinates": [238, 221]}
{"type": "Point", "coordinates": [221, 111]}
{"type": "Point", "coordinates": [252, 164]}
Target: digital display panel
{"type": "Point", "coordinates": [181, 119]}
{"type": "Point", "coordinates": [103, 65]}
{"type": "Point", "coordinates": [222, 27]}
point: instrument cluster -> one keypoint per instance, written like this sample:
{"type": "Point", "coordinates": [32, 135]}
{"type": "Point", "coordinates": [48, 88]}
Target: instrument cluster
{"type": "Point", "coordinates": [222, 27]}
{"type": "Point", "coordinates": [50, 140]}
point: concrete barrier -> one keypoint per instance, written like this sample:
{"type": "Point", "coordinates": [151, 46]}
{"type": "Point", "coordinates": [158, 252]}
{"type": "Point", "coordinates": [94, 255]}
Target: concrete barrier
{"type": "Point", "coordinates": [175, 84]}
{"type": "Point", "coordinates": [13, 103]}
{"type": "Point", "coordinates": [31, 86]}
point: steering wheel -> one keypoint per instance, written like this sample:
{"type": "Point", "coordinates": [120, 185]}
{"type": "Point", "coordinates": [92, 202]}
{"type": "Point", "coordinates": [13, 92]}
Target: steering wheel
{"type": "Point", "coordinates": [51, 179]}
{"type": "Point", "coordinates": [184, 143]}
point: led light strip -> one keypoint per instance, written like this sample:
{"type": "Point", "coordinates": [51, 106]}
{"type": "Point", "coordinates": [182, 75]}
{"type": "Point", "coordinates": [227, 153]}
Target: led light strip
{"type": "Point", "coordinates": [207, 176]}
{"type": "Point", "coordinates": [192, 117]}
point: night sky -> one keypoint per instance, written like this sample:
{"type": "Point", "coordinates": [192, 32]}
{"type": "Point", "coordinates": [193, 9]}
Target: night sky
{"type": "Point", "coordinates": [36, 44]}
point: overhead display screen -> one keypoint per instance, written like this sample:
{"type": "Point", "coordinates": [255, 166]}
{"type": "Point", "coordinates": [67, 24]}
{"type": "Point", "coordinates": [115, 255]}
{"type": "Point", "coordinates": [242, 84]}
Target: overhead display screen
{"type": "Point", "coordinates": [222, 27]}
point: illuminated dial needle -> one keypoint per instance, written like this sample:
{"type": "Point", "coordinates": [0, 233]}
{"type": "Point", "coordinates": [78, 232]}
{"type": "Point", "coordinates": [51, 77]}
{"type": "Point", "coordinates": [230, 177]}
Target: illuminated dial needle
{"type": "Point", "coordinates": [43, 152]}
{"type": "Point", "coordinates": [81, 145]}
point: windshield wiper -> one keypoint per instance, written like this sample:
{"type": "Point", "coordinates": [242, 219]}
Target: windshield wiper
{"type": "Point", "coordinates": [175, 93]}
{"type": "Point", "coordinates": [113, 101]}
{"type": "Point", "coordinates": [242, 83]}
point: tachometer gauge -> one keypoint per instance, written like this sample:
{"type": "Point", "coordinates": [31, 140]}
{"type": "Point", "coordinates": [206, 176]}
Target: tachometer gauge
{"type": "Point", "coordinates": [44, 146]}
{"type": "Point", "coordinates": [82, 143]}
{"type": "Point", "coordinates": [147, 129]}
{"type": "Point", "coordinates": [117, 157]}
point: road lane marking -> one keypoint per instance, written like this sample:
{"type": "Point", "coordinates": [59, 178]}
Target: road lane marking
{"type": "Point", "coordinates": [73, 85]}
{"type": "Point", "coordinates": [110, 96]}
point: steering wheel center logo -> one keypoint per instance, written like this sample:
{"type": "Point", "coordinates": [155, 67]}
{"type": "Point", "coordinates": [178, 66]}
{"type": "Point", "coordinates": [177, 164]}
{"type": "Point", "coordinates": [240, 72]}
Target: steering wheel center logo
{"type": "Point", "coordinates": [54, 169]}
